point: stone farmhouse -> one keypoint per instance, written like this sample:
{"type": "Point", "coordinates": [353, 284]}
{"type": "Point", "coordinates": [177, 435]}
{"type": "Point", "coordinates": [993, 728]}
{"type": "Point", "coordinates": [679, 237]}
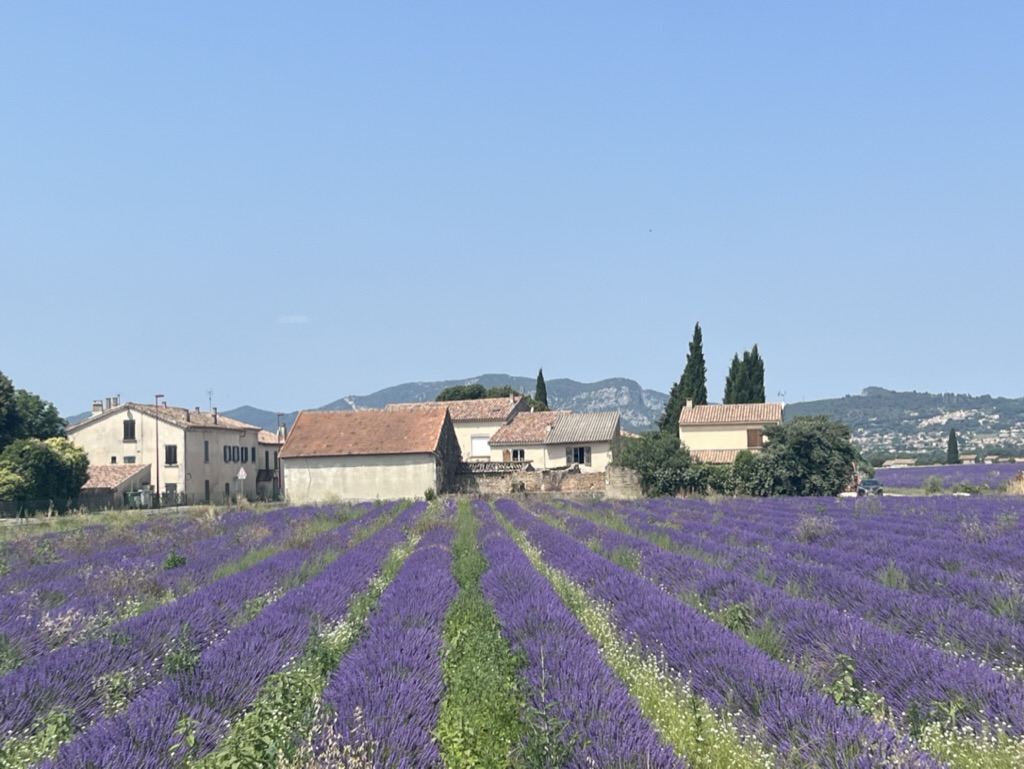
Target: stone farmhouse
{"type": "Point", "coordinates": [716, 433]}
{"type": "Point", "coordinates": [194, 456]}
{"type": "Point", "coordinates": [365, 455]}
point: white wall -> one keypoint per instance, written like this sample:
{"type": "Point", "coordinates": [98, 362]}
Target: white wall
{"type": "Point", "coordinates": [718, 437]}
{"type": "Point", "coordinates": [394, 476]}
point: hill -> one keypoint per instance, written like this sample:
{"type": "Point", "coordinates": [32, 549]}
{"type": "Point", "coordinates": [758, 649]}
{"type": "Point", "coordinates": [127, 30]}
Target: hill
{"type": "Point", "coordinates": [883, 421]}
{"type": "Point", "coordinates": [640, 408]}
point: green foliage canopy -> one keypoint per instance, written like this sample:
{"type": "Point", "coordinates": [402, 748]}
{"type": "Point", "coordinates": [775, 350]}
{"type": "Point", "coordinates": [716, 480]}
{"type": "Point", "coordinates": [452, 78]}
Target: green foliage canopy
{"type": "Point", "coordinates": [808, 456]}
{"type": "Point", "coordinates": [53, 470]}
{"type": "Point", "coordinates": [664, 466]}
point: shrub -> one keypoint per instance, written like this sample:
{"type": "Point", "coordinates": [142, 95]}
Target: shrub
{"type": "Point", "coordinates": [933, 484]}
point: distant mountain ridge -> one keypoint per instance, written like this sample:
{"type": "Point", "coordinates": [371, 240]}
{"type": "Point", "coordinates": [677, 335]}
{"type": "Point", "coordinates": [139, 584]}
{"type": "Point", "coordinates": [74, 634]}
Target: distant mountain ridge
{"type": "Point", "coordinates": [881, 420]}
{"type": "Point", "coordinates": [639, 408]}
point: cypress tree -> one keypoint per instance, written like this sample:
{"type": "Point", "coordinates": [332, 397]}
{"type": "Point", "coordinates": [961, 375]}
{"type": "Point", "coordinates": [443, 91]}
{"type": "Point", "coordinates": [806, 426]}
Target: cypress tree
{"type": "Point", "coordinates": [755, 377]}
{"type": "Point", "coordinates": [734, 381]}
{"type": "Point", "coordinates": [692, 385]}
{"type": "Point", "coordinates": [541, 392]}
{"type": "Point", "coordinates": [952, 449]}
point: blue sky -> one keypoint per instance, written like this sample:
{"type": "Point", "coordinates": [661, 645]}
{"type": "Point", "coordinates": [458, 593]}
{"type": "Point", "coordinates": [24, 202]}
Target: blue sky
{"type": "Point", "coordinates": [289, 203]}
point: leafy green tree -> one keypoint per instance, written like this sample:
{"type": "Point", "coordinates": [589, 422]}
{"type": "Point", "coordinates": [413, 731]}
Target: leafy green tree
{"type": "Point", "coordinates": [663, 464]}
{"type": "Point", "coordinates": [952, 449]}
{"type": "Point", "coordinates": [692, 385]}
{"type": "Point", "coordinates": [472, 392]}
{"type": "Point", "coordinates": [467, 392]}
{"type": "Point", "coordinates": [52, 470]}
{"type": "Point", "coordinates": [8, 412]}
{"type": "Point", "coordinates": [37, 418]}
{"type": "Point", "coordinates": [808, 456]}
{"type": "Point", "coordinates": [12, 485]}
{"type": "Point", "coordinates": [540, 394]}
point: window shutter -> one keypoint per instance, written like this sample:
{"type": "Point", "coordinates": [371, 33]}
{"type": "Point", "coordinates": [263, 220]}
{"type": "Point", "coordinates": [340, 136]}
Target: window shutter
{"type": "Point", "coordinates": [506, 455]}
{"type": "Point", "coordinates": [227, 453]}
{"type": "Point", "coordinates": [587, 455]}
{"type": "Point", "coordinates": [568, 455]}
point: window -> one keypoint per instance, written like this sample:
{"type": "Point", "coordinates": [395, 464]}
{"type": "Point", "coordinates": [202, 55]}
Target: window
{"type": "Point", "coordinates": [129, 460]}
{"type": "Point", "coordinates": [518, 455]}
{"type": "Point", "coordinates": [206, 489]}
{"type": "Point", "coordinates": [227, 492]}
{"type": "Point", "coordinates": [577, 455]}
{"type": "Point", "coordinates": [236, 453]}
{"type": "Point", "coordinates": [754, 439]}
{"type": "Point", "coordinates": [129, 429]}
{"type": "Point", "coordinates": [266, 460]}
{"type": "Point", "coordinates": [245, 454]}
{"type": "Point", "coordinates": [206, 457]}
{"type": "Point", "coordinates": [113, 460]}
{"type": "Point", "coordinates": [170, 455]}
{"type": "Point", "coordinates": [479, 446]}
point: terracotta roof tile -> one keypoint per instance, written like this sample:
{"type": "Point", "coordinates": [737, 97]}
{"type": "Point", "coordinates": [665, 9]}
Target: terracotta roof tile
{"type": "Point", "coordinates": [112, 476]}
{"type": "Point", "coordinates": [478, 410]}
{"type": "Point", "coordinates": [731, 414]}
{"type": "Point", "coordinates": [364, 433]}
{"type": "Point", "coordinates": [527, 427]}
{"type": "Point", "coordinates": [265, 436]}
{"type": "Point", "coordinates": [715, 456]}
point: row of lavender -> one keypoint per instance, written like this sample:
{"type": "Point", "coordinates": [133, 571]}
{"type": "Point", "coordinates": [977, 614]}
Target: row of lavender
{"type": "Point", "coordinates": [976, 475]}
{"type": "Point", "coordinates": [81, 685]}
{"type": "Point", "coordinates": [672, 575]}
{"type": "Point", "coordinates": [93, 577]}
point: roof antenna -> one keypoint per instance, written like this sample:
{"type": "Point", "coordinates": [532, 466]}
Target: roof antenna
{"type": "Point", "coordinates": [209, 398]}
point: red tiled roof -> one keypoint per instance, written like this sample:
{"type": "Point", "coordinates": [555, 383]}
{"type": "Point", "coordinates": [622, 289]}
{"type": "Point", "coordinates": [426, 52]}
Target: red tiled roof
{"type": "Point", "coordinates": [731, 414]}
{"type": "Point", "coordinates": [526, 427]}
{"type": "Point", "coordinates": [715, 456]}
{"type": "Point", "coordinates": [364, 433]}
{"type": "Point", "coordinates": [111, 476]}
{"type": "Point", "coordinates": [478, 410]}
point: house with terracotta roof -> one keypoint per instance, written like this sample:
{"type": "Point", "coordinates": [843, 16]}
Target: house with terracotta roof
{"type": "Point", "coordinates": [550, 439]}
{"type": "Point", "coordinates": [365, 455]}
{"type": "Point", "coordinates": [195, 456]}
{"type": "Point", "coordinates": [108, 484]}
{"type": "Point", "coordinates": [717, 432]}
{"type": "Point", "coordinates": [475, 421]}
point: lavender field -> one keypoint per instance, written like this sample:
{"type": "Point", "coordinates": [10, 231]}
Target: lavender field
{"type": "Point", "coordinates": [993, 477]}
{"type": "Point", "coordinates": [523, 632]}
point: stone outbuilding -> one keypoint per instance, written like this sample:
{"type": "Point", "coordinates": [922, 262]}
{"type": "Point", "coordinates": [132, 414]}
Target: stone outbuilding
{"type": "Point", "coordinates": [366, 455]}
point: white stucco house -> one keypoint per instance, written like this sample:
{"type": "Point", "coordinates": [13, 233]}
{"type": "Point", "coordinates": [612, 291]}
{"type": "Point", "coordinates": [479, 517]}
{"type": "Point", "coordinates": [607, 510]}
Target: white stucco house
{"type": "Point", "coordinates": [366, 455]}
{"type": "Point", "coordinates": [195, 456]}
{"type": "Point", "coordinates": [550, 439]}
{"type": "Point", "coordinates": [717, 432]}
{"type": "Point", "coordinates": [475, 421]}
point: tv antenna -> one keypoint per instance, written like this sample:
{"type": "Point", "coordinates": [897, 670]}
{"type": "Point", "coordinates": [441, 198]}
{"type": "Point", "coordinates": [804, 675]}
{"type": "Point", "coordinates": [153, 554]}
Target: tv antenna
{"type": "Point", "coordinates": [209, 398]}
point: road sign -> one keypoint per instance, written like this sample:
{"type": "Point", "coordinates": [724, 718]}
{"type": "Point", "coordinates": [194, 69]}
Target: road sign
{"type": "Point", "coordinates": [241, 474]}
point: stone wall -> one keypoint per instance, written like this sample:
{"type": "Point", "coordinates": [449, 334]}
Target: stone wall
{"type": "Point", "coordinates": [615, 483]}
